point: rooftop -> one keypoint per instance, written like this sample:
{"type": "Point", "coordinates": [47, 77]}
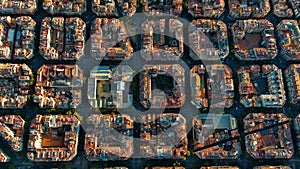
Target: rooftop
{"type": "Point", "coordinates": [17, 37]}
{"type": "Point", "coordinates": [167, 77]}
{"type": "Point", "coordinates": [62, 38]}
{"type": "Point", "coordinates": [109, 40]}
{"type": "Point", "coordinates": [240, 9]}
{"type": "Point", "coordinates": [272, 167]}
{"type": "Point", "coordinates": [258, 121]}
{"type": "Point", "coordinates": [14, 85]}
{"type": "Point", "coordinates": [3, 157]}
{"type": "Point", "coordinates": [153, 7]}
{"type": "Point", "coordinates": [261, 86]}
{"type": "Point", "coordinates": [226, 150]}
{"type": "Point", "coordinates": [157, 44]}
{"type": "Point", "coordinates": [220, 167]}
{"type": "Point", "coordinates": [254, 40]}
{"type": "Point", "coordinates": [110, 8]}
{"type": "Point", "coordinates": [206, 8]}
{"type": "Point", "coordinates": [208, 39]}
{"type": "Point", "coordinates": [12, 130]}
{"type": "Point", "coordinates": [211, 129]}
{"type": "Point", "coordinates": [289, 39]}
{"type": "Point", "coordinates": [127, 7]}
{"type": "Point", "coordinates": [296, 7]}
{"type": "Point", "coordinates": [18, 6]}
{"type": "Point", "coordinates": [64, 7]}
{"type": "Point", "coordinates": [296, 123]}
{"type": "Point", "coordinates": [163, 136]}
{"type": "Point", "coordinates": [108, 87]}
{"type": "Point", "coordinates": [268, 136]}
{"type": "Point", "coordinates": [292, 77]}
{"type": "Point", "coordinates": [108, 137]}
{"type": "Point", "coordinates": [218, 88]}
{"type": "Point", "coordinates": [58, 86]}
{"type": "Point", "coordinates": [282, 8]}
{"type": "Point", "coordinates": [53, 138]}
{"type": "Point", "coordinates": [165, 167]}
{"type": "Point", "coordinates": [199, 86]}
{"type": "Point", "coordinates": [221, 90]}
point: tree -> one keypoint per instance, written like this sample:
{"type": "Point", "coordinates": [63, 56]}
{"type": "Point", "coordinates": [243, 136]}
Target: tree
{"type": "Point", "coordinates": [11, 167]}
{"type": "Point", "coordinates": [17, 111]}
{"type": "Point", "coordinates": [32, 80]}
{"type": "Point", "coordinates": [185, 4]}
{"type": "Point", "coordinates": [69, 112]}
{"type": "Point", "coordinates": [79, 117]}
{"type": "Point", "coordinates": [66, 166]}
